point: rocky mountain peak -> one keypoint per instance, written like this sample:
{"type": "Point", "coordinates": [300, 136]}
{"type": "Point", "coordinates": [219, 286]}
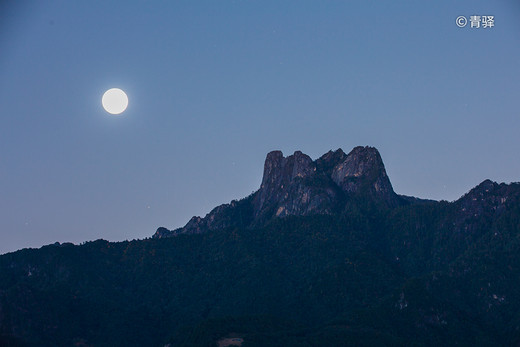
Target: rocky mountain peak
{"type": "Point", "coordinates": [329, 160]}
{"type": "Point", "coordinates": [296, 185]}
{"type": "Point", "coordinates": [360, 162]}
{"type": "Point", "coordinates": [279, 170]}
{"type": "Point", "coordinates": [279, 173]}
{"type": "Point", "coordinates": [362, 169]}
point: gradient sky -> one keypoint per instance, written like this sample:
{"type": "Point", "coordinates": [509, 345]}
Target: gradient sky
{"type": "Point", "coordinates": [215, 85]}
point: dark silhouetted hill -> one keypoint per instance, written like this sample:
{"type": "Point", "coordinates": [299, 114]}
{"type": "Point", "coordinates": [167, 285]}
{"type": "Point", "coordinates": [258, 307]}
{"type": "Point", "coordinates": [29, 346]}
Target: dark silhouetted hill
{"type": "Point", "coordinates": [324, 253]}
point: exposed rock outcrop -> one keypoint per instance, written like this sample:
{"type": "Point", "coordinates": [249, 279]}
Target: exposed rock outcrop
{"type": "Point", "coordinates": [363, 171]}
{"type": "Point", "coordinates": [290, 186]}
{"type": "Point", "coordinates": [297, 185]}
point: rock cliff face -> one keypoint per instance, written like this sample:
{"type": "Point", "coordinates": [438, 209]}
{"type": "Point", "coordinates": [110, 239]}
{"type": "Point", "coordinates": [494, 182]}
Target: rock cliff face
{"type": "Point", "coordinates": [363, 169]}
{"type": "Point", "coordinates": [290, 187]}
{"type": "Point", "coordinates": [296, 185]}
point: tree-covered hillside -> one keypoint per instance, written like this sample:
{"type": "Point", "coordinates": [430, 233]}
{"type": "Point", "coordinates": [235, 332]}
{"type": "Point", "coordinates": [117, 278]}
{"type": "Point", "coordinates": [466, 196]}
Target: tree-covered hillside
{"type": "Point", "coordinates": [325, 253]}
{"type": "Point", "coordinates": [370, 275]}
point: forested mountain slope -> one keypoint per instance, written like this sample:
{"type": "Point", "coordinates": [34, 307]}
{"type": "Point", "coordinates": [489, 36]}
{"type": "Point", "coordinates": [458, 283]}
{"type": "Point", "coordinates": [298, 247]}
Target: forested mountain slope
{"type": "Point", "coordinates": [325, 253]}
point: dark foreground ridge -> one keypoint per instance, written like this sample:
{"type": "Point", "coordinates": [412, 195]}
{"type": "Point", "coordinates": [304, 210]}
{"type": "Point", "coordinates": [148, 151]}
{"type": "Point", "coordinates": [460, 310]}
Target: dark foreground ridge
{"type": "Point", "coordinates": [323, 254]}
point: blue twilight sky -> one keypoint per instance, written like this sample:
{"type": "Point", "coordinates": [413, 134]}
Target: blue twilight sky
{"type": "Point", "coordinates": [215, 85]}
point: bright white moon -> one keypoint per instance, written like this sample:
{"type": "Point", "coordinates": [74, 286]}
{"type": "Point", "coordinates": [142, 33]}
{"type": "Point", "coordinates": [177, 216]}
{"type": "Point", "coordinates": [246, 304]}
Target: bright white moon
{"type": "Point", "coordinates": [114, 101]}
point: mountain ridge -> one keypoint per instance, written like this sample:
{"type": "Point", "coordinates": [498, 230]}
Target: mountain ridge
{"type": "Point", "coordinates": [335, 174]}
{"type": "Point", "coordinates": [370, 272]}
{"type": "Point", "coordinates": [297, 185]}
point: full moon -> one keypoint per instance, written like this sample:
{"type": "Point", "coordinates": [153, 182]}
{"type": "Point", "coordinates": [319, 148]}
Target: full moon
{"type": "Point", "coordinates": [114, 101]}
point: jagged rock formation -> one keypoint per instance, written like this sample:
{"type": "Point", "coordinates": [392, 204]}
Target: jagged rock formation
{"type": "Point", "coordinates": [363, 170]}
{"type": "Point", "coordinates": [298, 186]}
{"type": "Point", "coordinates": [289, 187]}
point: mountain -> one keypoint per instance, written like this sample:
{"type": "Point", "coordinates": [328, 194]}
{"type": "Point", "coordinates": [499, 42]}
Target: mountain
{"type": "Point", "coordinates": [298, 186]}
{"type": "Point", "coordinates": [324, 253]}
